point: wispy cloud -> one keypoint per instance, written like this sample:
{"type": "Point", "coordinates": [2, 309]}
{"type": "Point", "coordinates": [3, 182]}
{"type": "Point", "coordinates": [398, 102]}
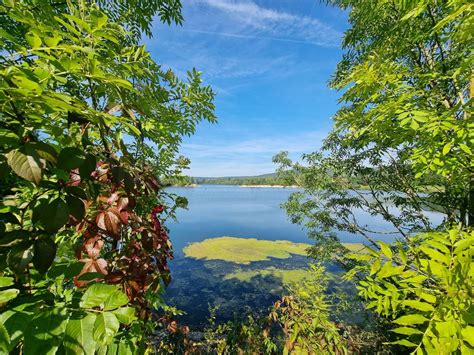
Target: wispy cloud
{"type": "Point", "coordinates": [252, 156]}
{"type": "Point", "coordinates": [233, 65]}
{"type": "Point", "coordinates": [236, 35]}
{"type": "Point", "coordinates": [269, 61]}
{"type": "Point", "coordinates": [229, 39]}
{"type": "Point", "coordinates": [298, 143]}
{"type": "Point", "coordinates": [276, 25]}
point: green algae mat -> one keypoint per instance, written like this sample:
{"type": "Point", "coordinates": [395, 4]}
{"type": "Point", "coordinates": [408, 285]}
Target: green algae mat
{"type": "Point", "coordinates": [243, 250]}
{"type": "Point", "coordinates": [247, 250]}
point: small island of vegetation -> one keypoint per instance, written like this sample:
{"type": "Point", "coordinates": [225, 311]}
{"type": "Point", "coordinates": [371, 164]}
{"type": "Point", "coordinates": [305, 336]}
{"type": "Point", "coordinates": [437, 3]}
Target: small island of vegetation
{"type": "Point", "coordinates": [243, 250]}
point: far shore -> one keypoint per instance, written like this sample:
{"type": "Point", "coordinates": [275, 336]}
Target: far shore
{"type": "Point", "coordinates": [276, 186]}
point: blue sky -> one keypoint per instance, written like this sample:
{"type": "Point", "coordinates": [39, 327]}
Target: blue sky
{"type": "Point", "coordinates": [269, 63]}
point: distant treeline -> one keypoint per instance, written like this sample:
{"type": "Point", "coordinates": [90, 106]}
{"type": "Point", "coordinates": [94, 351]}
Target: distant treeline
{"type": "Point", "coordinates": [178, 181]}
{"type": "Point", "coordinates": [291, 179]}
{"type": "Point", "coordinates": [268, 179]}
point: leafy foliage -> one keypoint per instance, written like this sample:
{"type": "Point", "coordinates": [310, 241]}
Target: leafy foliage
{"type": "Point", "coordinates": [404, 127]}
{"type": "Point", "coordinates": [304, 317]}
{"type": "Point", "coordinates": [88, 123]}
{"type": "Point", "coordinates": [405, 123]}
{"type": "Point", "coordinates": [425, 288]}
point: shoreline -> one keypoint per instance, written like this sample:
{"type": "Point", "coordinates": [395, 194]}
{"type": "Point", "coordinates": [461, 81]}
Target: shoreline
{"type": "Point", "coordinates": [275, 186]}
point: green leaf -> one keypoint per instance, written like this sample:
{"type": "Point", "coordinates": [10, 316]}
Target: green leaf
{"type": "Point", "coordinates": [76, 207]}
{"type": "Point", "coordinates": [115, 300]}
{"type": "Point", "coordinates": [25, 165]}
{"type": "Point", "coordinates": [27, 84]}
{"type": "Point", "coordinates": [466, 149]}
{"type": "Point", "coordinates": [411, 319]}
{"type": "Point", "coordinates": [125, 315]}
{"type": "Point", "coordinates": [9, 138]}
{"type": "Point", "coordinates": [7, 295]}
{"type": "Point", "coordinates": [417, 10]}
{"type": "Point", "coordinates": [447, 148]}
{"type": "Point", "coordinates": [428, 297]}
{"type": "Point", "coordinates": [406, 331]}
{"type": "Point", "coordinates": [66, 270]}
{"type": "Point", "coordinates": [70, 158]}
{"type": "Point", "coordinates": [52, 41]}
{"type": "Point", "coordinates": [422, 306]}
{"type": "Point", "coordinates": [126, 347]}
{"type": "Point", "coordinates": [104, 296]}
{"type": "Point", "coordinates": [88, 166]}
{"type": "Point", "coordinates": [9, 239]}
{"type": "Point", "coordinates": [33, 40]}
{"type": "Point", "coordinates": [76, 191]}
{"type": "Point", "coordinates": [386, 250]}
{"type": "Point", "coordinates": [375, 266]}
{"type": "Point", "coordinates": [434, 254]}
{"type": "Point", "coordinates": [447, 328]}
{"type": "Point", "coordinates": [6, 281]}
{"type": "Point", "coordinates": [468, 334]}
{"type": "Point", "coordinates": [45, 151]}
{"type": "Point", "coordinates": [121, 82]}
{"type": "Point", "coordinates": [4, 339]}
{"type": "Point", "coordinates": [54, 215]}
{"type": "Point", "coordinates": [78, 337]}
{"type": "Point", "coordinates": [99, 18]}
{"type": "Point", "coordinates": [105, 327]}
{"type": "Point", "coordinates": [43, 334]}
{"type": "Point", "coordinates": [20, 256]}
{"type": "Point", "coordinates": [414, 125]}
{"type": "Point", "coordinates": [463, 245]}
{"type": "Point", "coordinates": [404, 342]}
{"type": "Point", "coordinates": [88, 276]}
{"type": "Point", "coordinates": [388, 270]}
{"type": "Point", "coordinates": [15, 325]}
{"type": "Point", "coordinates": [134, 129]}
{"type": "Point", "coordinates": [44, 254]}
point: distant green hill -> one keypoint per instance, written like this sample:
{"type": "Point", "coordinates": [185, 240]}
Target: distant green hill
{"type": "Point", "coordinates": [264, 179]}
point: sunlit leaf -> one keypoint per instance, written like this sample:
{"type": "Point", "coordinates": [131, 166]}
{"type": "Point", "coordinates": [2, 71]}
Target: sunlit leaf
{"type": "Point", "coordinates": [25, 164]}
{"type": "Point", "coordinates": [7, 295]}
{"type": "Point", "coordinates": [106, 326]}
{"type": "Point", "coordinates": [411, 319]}
{"type": "Point", "coordinates": [78, 334]}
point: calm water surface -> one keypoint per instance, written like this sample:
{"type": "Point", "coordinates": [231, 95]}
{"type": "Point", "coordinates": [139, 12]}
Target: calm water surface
{"type": "Point", "coordinates": [217, 210]}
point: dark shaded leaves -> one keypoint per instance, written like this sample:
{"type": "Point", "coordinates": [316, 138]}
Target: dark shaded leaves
{"type": "Point", "coordinates": [44, 254]}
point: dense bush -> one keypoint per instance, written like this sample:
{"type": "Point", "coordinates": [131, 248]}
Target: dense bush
{"type": "Point", "coordinates": [425, 288]}
{"type": "Point", "coordinates": [88, 123]}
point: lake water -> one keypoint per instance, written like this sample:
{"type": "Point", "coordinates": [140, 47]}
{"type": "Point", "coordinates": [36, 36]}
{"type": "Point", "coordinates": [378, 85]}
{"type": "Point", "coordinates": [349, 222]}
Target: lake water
{"type": "Point", "coordinates": [217, 210]}
{"type": "Point", "coordinates": [220, 210]}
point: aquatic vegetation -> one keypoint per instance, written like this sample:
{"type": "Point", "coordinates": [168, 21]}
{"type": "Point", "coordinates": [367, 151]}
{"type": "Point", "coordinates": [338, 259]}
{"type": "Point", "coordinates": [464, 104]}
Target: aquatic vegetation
{"type": "Point", "coordinates": [247, 250]}
{"type": "Point", "coordinates": [287, 276]}
{"type": "Point", "coordinates": [243, 250]}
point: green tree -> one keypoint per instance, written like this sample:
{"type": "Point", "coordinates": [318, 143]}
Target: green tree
{"type": "Point", "coordinates": [404, 127]}
{"type": "Point", "coordinates": [405, 116]}
{"type": "Point", "coordinates": [88, 122]}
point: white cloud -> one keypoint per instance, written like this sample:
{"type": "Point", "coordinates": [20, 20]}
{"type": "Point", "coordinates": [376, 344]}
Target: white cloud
{"type": "Point", "coordinates": [294, 144]}
{"type": "Point", "coordinates": [249, 157]}
{"type": "Point", "coordinates": [275, 25]}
